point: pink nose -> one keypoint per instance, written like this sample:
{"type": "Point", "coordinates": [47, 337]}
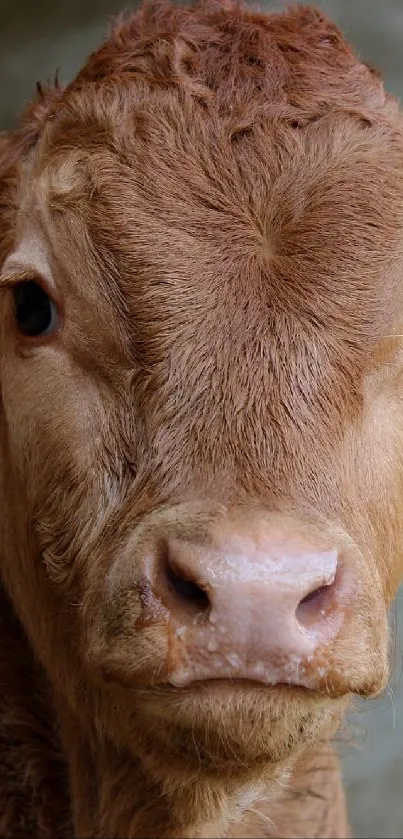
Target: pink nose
{"type": "Point", "coordinates": [261, 609]}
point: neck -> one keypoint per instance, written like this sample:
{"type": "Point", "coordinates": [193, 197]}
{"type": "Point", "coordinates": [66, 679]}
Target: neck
{"type": "Point", "coordinates": [111, 793]}
{"type": "Point", "coordinates": [32, 765]}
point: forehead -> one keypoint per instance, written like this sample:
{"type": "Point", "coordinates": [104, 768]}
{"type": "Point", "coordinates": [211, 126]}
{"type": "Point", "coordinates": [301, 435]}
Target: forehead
{"type": "Point", "coordinates": [212, 159]}
{"type": "Point", "coordinates": [306, 222]}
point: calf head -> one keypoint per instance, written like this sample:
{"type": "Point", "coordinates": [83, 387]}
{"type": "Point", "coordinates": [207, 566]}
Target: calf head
{"type": "Point", "coordinates": [201, 430]}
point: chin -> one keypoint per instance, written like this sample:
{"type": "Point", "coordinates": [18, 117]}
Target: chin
{"type": "Point", "coordinates": [229, 730]}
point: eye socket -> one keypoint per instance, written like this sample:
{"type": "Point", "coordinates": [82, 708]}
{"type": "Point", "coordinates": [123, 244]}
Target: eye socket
{"type": "Point", "coordinates": [35, 312]}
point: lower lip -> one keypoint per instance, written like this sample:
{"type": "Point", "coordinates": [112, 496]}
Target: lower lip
{"type": "Point", "coordinates": [239, 685]}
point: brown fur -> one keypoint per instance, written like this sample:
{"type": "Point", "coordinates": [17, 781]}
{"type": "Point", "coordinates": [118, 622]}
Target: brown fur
{"type": "Point", "coordinates": [216, 203]}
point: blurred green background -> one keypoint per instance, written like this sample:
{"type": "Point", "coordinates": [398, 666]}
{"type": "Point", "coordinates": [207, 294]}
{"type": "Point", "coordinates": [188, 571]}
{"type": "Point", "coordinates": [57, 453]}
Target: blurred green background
{"type": "Point", "coordinates": [38, 37]}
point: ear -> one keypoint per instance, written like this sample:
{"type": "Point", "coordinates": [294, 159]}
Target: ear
{"type": "Point", "coordinates": [14, 148]}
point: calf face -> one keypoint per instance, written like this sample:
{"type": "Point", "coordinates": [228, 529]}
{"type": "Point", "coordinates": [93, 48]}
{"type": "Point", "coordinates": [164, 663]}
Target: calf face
{"type": "Point", "coordinates": [201, 422]}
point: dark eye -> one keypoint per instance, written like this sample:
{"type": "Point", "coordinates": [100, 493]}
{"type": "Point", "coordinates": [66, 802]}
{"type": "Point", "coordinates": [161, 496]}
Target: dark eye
{"type": "Point", "coordinates": [35, 312]}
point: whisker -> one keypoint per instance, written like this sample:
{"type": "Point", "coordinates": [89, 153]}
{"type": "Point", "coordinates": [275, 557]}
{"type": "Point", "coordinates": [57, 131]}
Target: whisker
{"type": "Point", "coordinates": [262, 816]}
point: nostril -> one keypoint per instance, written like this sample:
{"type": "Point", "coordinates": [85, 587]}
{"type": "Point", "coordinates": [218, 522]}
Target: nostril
{"type": "Point", "coordinates": [178, 581]}
{"type": "Point", "coordinates": [186, 589]}
{"type": "Point", "coordinates": [313, 595]}
{"type": "Point", "coordinates": [315, 606]}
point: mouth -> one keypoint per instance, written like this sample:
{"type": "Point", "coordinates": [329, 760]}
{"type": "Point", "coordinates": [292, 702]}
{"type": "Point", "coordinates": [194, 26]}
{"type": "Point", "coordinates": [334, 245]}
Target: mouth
{"type": "Point", "coordinates": [238, 687]}
{"type": "Point", "coordinates": [235, 726]}
{"type": "Point", "coordinates": [212, 701]}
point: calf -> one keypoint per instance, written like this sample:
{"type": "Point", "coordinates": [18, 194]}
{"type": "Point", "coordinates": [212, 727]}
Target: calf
{"type": "Point", "coordinates": [201, 427]}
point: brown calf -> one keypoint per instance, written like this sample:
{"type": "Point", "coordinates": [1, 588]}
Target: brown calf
{"type": "Point", "coordinates": [201, 428]}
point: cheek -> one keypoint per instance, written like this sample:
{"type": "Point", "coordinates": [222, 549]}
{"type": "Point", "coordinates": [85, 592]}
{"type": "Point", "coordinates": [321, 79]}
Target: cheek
{"type": "Point", "coordinates": [50, 413]}
{"type": "Point", "coordinates": [53, 444]}
{"type": "Point", "coordinates": [373, 488]}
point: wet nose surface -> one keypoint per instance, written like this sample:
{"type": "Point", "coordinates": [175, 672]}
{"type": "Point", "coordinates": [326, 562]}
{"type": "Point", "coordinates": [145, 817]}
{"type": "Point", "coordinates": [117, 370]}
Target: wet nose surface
{"type": "Point", "coordinates": [248, 608]}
